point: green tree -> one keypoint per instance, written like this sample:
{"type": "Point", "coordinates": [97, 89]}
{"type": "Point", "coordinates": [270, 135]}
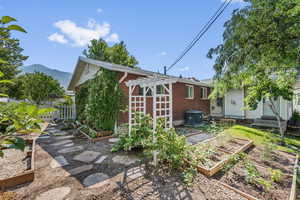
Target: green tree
{"type": "Point", "coordinates": [38, 87]}
{"type": "Point", "coordinates": [117, 54]}
{"type": "Point", "coordinates": [260, 52]}
{"type": "Point", "coordinates": [10, 51]}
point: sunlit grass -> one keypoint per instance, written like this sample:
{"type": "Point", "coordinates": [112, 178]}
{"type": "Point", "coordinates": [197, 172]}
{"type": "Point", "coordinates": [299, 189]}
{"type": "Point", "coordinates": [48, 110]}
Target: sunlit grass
{"type": "Point", "coordinates": [260, 136]}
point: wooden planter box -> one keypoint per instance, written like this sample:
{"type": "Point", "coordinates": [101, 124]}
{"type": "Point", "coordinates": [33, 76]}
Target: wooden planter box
{"type": "Point", "coordinates": [24, 177]}
{"type": "Point", "coordinates": [95, 139]}
{"type": "Point", "coordinates": [217, 167]}
{"type": "Point", "coordinates": [292, 195]}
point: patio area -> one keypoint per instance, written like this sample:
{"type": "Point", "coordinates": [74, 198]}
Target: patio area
{"type": "Point", "coordinates": [68, 167]}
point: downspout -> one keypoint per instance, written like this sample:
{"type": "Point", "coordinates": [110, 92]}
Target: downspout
{"type": "Point", "coordinates": [123, 77]}
{"type": "Point", "coordinates": [120, 81]}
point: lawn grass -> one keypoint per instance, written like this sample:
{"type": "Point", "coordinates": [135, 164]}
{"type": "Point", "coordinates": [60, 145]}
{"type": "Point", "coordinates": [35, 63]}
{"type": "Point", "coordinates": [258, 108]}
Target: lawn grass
{"type": "Point", "coordinates": [259, 136]}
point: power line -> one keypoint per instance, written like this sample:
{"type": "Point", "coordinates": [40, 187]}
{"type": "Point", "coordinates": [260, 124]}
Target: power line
{"type": "Point", "coordinates": [205, 28]}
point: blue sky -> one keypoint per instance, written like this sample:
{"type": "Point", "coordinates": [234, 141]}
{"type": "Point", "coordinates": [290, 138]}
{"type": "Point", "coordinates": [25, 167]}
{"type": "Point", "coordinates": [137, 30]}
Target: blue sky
{"type": "Point", "coordinates": [155, 31]}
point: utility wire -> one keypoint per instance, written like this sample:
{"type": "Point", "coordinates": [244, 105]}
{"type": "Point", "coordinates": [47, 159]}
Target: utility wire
{"type": "Point", "coordinates": [205, 28]}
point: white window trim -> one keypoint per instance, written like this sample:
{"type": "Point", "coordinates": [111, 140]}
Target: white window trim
{"type": "Point", "coordinates": [206, 91]}
{"type": "Point", "coordinates": [193, 93]}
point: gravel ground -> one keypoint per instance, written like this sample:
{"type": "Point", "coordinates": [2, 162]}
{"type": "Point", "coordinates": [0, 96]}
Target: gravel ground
{"type": "Point", "coordinates": [13, 163]}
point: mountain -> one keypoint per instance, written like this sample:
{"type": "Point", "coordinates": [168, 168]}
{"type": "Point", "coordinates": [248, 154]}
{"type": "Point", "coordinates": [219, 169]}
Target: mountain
{"type": "Point", "coordinates": [62, 77]}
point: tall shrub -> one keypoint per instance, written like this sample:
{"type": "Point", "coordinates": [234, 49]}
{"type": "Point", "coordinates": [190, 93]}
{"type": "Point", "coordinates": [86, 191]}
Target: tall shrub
{"type": "Point", "coordinates": [104, 100]}
{"type": "Point", "coordinates": [81, 100]}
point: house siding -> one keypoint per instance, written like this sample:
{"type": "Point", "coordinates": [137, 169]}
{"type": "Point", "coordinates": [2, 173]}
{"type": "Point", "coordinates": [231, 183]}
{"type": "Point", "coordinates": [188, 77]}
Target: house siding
{"type": "Point", "coordinates": [180, 103]}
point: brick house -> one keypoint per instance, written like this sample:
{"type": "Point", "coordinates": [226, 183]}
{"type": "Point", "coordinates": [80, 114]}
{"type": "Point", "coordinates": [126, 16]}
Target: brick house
{"type": "Point", "coordinates": [187, 93]}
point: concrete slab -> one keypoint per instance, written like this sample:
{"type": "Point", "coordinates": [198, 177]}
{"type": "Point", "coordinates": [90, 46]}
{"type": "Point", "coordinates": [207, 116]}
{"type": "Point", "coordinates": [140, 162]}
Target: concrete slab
{"type": "Point", "coordinates": [100, 160]}
{"type": "Point", "coordinates": [80, 169]}
{"type": "Point", "coordinates": [62, 142]}
{"type": "Point", "coordinates": [125, 160]}
{"type": "Point", "coordinates": [59, 161]}
{"type": "Point", "coordinates": [94, 179]}
{"type": "Point", "coordinates": [64, 137]}
{"type": "Point", "coordinates": [57, 194]}
{"type": "Point", "coordinates": [69, 145]}
{"type": "Point", "coordinates": [198, 138]}
{"type": "Point", "coordinates": [71, 149]}
{"type": "Point", "coordinates": [87, 156]}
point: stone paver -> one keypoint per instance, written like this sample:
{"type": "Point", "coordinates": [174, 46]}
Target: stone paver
{"type": "Point", "coordinates": [94, 179]}
{"type": "Point", "coordinates": [101, 159]}
{"type": "Point", "coordinates": [69, 145]}
{"type": "Point", "coordinates": [198, 138]}
{"type": "Point", "coordinates": [59, 133]}
{"type": "Point", "coordinates": [55, 194]}
{"type": "Point", "coordinates": [87, 156]}
{"type": "Point", "coordinates": [135, 173]}
{"type": "Point", "coordinates": [80, 169]}
{"type": "Point", "coordinates": [44, 137]}
{"type": "Point", "coordinates": [125, 160]}
{"type": "Point", "coordinates": [61, 142]}
{"type": "Point", "coordinates": [59, 161]}
{"type": "Point", "coordinates": [113, 140]}
{"type": "Point", "coordinates": [64, 137]}
{"type": "Point", "coordinates": [71, 149]}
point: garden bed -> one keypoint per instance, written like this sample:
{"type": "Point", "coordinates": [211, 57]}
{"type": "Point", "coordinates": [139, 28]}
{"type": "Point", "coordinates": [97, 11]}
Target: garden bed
{"type": "Point", "coordinates": [17, 167]}
{"type": "Point", "coordinates": [257, 181]}
{"type": "Point", "coordinates": [94, 136]}
{"type": "Point", "coordinates": [220, 157]}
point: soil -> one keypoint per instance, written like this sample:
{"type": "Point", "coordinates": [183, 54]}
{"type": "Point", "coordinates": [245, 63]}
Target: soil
{"type": "Point", "coordinates": [280, 160]}
{"type": "Point", "coordinates": [14, 162]}
{"type": "Point", "coordinates": [232, 146]}
{"type": "Point", "coordinates": [236, 178]}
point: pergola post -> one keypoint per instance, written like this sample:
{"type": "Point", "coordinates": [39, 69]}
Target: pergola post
{"type": "Point", "coordinates": [171, 104]}
{"type": "Point", "coordinates": [154, 90]}
{"type": "Point", "coordinates": [129, 111]}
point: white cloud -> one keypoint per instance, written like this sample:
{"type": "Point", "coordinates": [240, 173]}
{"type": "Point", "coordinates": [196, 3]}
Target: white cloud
{"type": "Point", "coordinates": [81, 36]}
{"type": "Point", "coordinates": [183, 69]}
{"type": "Point", "coordinates": [163, 53]}
{"type": "Point", "coordinates": [99, 10]}
{"type": "Point", "coordinates": [112, 38]}
{"type": "Point", "coordinates": [55, 37]}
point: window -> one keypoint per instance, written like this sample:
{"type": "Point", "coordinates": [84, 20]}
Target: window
{"type": "Point", "coordinates": [190, 92]}
{"type": "Point", "coordinates": [203, 93]}
{"type": "Point", "coordinates": [160, 89]}
{"type": "Point", "coordinates": [141, 91]}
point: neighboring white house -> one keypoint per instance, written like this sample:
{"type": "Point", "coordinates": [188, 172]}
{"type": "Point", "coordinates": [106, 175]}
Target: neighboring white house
{"type": "Point", "coordinates": [232, 106]}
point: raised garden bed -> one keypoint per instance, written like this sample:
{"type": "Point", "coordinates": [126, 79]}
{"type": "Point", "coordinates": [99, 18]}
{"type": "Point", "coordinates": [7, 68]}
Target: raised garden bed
{"type": "Point", "coordinates": [94, 136]}
{"type": "Point", "coordinates": [264, 188]}
{"type": "Point", "coordinates": [23, 170]}
{"type": "Point", "coordinates": [220, 157]}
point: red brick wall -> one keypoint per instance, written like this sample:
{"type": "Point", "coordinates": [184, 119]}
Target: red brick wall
{"type": "Point", "coordinates": [181, 103]}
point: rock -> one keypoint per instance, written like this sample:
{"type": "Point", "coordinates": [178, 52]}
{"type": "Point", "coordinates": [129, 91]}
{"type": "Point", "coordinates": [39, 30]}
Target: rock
{"type": "Point", "coordinates": [62, 142]}
{"type": "Point", "coordinates": [101, 159]}
{"type": "Point", "coordinates": [64, 137]}
{"type": "Point", "coordinates": [55, 194]}
{"type": "Point", "coordinates": [71, 149]}
{"type": "Point", "coordinates": [125, 160]}
{"type": "Point", "coordinates": [87, 156]}
{"type": "Point", "coordinates": [59, 161]}
{"type": "Point", "coordinates": [58, 133]}
{"type": "Point", "coordinates": [113, 140]}
{"type": "Point", "coordinates": [94, 179]}
{"type": "Point", "coordinates": [80, 169]}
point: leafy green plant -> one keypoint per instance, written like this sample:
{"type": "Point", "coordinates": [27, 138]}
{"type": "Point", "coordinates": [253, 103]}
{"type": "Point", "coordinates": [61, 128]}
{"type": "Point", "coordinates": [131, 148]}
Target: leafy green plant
{"type": "Point", "coordinates": [233, 159]}
{"type": "Point", "coordinates": [104, 100]}
{"type": "Point", "coordinates": [213, 128]}
{"type": "Point", "coordinates": [268, 149]}
{"type": "Point", "coordinates": [139, 137]}
{"type": "Point", "coordinates": [201, 154]}
{"type": "Point", "coordinates": [267, 185]}
{"type": "Point", "coordinates": [276, 175]}
{"type": "Point", "coordinates": [252, 173]}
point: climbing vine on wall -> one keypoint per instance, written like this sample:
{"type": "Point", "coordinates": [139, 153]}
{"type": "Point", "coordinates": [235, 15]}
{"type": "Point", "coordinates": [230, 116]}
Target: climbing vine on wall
{"type": "Point", "coordinates": [104, 100]}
